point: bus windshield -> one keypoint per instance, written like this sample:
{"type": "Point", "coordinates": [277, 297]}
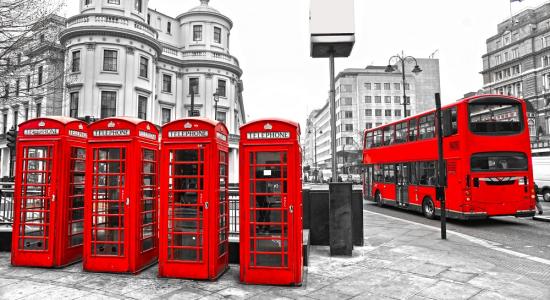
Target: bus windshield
{"type": "Point", "coordinates": [499, 161]}
{"type": "Point", "coordinates": [495, 118]}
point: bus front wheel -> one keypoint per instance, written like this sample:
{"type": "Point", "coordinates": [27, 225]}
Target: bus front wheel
{"type": "Point", "coordinates": [428, 208]}
{"type": "Point", "coordinates": [378, 199]}
{"type": "Point", "coordinates": [546, 195]}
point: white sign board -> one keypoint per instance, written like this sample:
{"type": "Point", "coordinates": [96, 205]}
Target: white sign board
{"type": "Point", "coordinates": [332, 17]}
{"type": "Point", "coordinates": [332, 27]}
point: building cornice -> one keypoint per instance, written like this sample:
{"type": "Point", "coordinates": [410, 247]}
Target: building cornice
{"type": "Point", "coordinates": [142, 90]}
{"type": "Point", "coordinates": [73, 32]}
{"type": "Point", "coordinates": [109, 84]}
{"type": "Point", "coordinates": [201, 63]}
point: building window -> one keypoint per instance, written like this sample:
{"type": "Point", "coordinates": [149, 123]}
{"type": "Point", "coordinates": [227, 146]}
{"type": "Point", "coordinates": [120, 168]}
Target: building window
{"type": "Point", "coordinates": [108, 104]}
{"type": "Point", "coordinates": [221, 116]}
{"type": "Point", "coordinates": [26, 113]}
{"type": "Point", "coordinates": [387, 99]}
{"type": "Point", "coordinates": [73, 105]}
{"type": "Point", "coordinates": [348, 114]}
{"type": "Point", "coordinates": [166, 115]}
{"type": "Point", "coordinates": [346, 88]}
{"type": "Point", "coordinates": [197, 32]}
{"type": "Point", "coordinates": [40, 74]}
{"type": "Point", "coordinates": [15, 118]}
{"type": "Point", "coordinates": [397, 86]}
{"type": "Point", "coordinates": [378, 112]}
{"type": "Point", "coordinates": [38, 109]}
{"type": "Point", "coordinates": [143, 67]}
{"type": "Point", "coordinates": [368, 112]}
{"type": "Point", "coordinates": [498, 59]}
{"type": "Point", "coordinates": [193, 85]}
{"type": "Point", "coordinates": [347, 101]}
{"type": "Point", "coordinates": [397, 113]}
{"type": "Point", "coordinates": [349, 141]}
{"type": "Point", "coordinates": [377, 86]}
{"type": "Point", "coordinates": [367, 86]}
{"type": "Point", "coordinates": [4, 123]}
{"type": "Point", "coordinates": [28, 82]}
{"type": "Point", "coordinates": [515, 53]}
{"type": "Point", "coordinates": [166, 83]}
{"type": "Point", "coordinates": [221, 88]}
{"type": "Point", "coordinates": [368, 99]}
{"type": "Point", "coordinates": [169, 27]}
{"type": "Point", "coordinates": [139, 5]}
{"type": "Point", "coordinates": [6, 90]}
{"type": "Point", "coordinates": [217, 35]}
{"type": "Point", "coordinates": [377, 99]}
{"type": "Point", "coordinates": [87, 2]}
{"type": "Point", "coordinates": [17, 88]}
{"type": "Point", "coordinates": [387, 113]}
{"type": "Point", "coordinates": [75, 67]}
{"type": "Point", "coordinates": [407, 86]}
{"type": "Point", "coordinates": [349, 127]}
{"type": "Point", "coordinates": [148, 19]}
{"type": "Point", "coordinates": [42, 38]}
{"type": "Point", "coordinates": [387, 86]}
{"type": "Point", "coordinates": [117, 2]}
{"type": "Point", "coordinates": [368, 125]}
{"type": "Point", "coordinates": [110, 60]}
{"type": "Point", "coordinates": [396, 99]}
{"type": "Point", "coordinates": [142, 107]}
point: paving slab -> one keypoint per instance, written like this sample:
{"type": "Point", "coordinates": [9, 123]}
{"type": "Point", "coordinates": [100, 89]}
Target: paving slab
{"type": "Point", "coordinates": [400, 260]}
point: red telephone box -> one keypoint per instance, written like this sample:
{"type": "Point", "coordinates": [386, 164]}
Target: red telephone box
{"type": "Point", "coordinates": [270, 208]}
{"type": "Point", "coordinates": [121, 196]}
{"type": "Point", "coordinates": [194, 218]}
{"type": "Point", "coordinates": [49, 192]}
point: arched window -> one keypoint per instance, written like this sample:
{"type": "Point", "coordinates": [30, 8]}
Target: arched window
{"type": "Point", "coordinates": [532, 127]}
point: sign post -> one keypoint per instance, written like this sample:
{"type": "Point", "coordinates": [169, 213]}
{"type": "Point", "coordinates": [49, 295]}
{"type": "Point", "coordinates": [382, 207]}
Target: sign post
{"type": "Point", "coordinates": [441, 176]}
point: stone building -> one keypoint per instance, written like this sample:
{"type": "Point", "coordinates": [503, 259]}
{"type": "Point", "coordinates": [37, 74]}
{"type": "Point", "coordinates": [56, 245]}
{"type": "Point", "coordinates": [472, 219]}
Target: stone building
{"type": "Point", "coordinates": [517, 63]}
{"type": "Point", "coordinates": [31, 84]}
{"type": "Point", "coordinates": [127, 60]}
{"type": "Point", "coordinates": [366, 98]}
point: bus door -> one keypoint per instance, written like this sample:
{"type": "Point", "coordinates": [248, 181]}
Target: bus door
{"type": "Point", "coordinates": [403, 184]}
{"type": "Point", "coordinates": [368, 182]}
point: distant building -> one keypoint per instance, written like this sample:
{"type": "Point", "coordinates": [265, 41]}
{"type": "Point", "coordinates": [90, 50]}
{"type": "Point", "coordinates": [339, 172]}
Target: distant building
{"type": "Point", "coordinates": [366, 98]}
{"type": "Point", "coordinates": [31, 85]}
{"type": "Point", "coordinates": [517, 63]}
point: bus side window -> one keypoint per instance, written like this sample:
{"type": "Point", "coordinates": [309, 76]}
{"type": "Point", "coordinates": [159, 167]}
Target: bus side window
{"type": "Point", "coordinates": [412, 173]}
{"type": "Point", "coordinates": [450, 124]}
{"type": "Point", "coordinates": [413, 130]}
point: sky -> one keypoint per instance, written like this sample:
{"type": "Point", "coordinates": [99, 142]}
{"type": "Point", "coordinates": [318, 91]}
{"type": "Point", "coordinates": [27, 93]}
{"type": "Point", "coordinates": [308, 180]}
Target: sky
{"type": "Point", "coordinates": [271, 40]}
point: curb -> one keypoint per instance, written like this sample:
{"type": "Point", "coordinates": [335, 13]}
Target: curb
{"type": "Point", "coordinates": [541, 218]}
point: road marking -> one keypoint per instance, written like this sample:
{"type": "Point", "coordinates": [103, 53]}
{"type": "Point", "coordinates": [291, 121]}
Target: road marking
{"type": "Point", "coordinates": [481, 242]}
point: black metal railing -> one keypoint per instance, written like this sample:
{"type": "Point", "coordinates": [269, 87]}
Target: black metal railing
{"type": "Point", "coordinates": [6, 206]}
{"type": "Point", "coordinates": [233, 211]}
{"type": "Point", "coordinates": [6, 203]}
{"type": "Point", "coordinates": [540, 145]}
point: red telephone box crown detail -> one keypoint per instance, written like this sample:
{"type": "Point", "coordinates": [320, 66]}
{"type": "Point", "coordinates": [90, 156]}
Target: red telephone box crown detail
{"type": "Point", "coordinates": [111, 124]}
{"type": "Point", "coordinates": [42, 124]}
{"type": "Point", "coordinates": [188, 125]}
{"type": "Point", "coordinates": [268, 126]}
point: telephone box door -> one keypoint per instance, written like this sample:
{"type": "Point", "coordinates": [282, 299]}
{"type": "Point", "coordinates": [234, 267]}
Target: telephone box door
{"type": "Point", "coordinates": [109, 228]}
{"type": "Point", "coordinates": [37, 202]}
{"type": "Point", "coordinates": [188, 220]}
{"type": "Point", "coordinates": [269, 238]}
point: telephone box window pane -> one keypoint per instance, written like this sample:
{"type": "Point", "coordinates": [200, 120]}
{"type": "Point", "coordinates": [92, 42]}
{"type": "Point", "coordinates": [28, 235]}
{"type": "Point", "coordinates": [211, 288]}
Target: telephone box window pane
{"type": "Point", "coordinates": [35, 198]}
{"type": "Point", "coordinates": [107, 203]}
{"type": "Point", "coordinates": [76, 196]}
{"type": "Point", "coordinates": [148, 199]}
{"type": "Point", "coordinates": [185, 215]}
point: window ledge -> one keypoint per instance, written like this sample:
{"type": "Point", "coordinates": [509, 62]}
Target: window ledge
{"type": "Point", "coordinates": [143, 78]}
{"type": "Point", "coordinates": [166, 92]}
{"type": "Point", "coordinates": [109, 72]}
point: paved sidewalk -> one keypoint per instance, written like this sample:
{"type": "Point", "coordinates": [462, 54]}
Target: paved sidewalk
{"type": "Point", "coordinates": [400, 260]}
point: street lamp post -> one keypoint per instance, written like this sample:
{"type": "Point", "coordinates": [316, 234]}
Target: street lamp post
{"type": "Point", "coordinates": [216, 99]}
{"type": "Point", "coordinates": [391, 68]}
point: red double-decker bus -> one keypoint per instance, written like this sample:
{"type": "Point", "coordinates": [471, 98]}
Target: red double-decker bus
{"type": "Point", "coordinates": [487, 156]}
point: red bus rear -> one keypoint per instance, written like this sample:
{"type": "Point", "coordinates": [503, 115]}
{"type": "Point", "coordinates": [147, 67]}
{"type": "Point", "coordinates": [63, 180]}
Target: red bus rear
{"type": "Point", "coordinates": [487, 154]}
